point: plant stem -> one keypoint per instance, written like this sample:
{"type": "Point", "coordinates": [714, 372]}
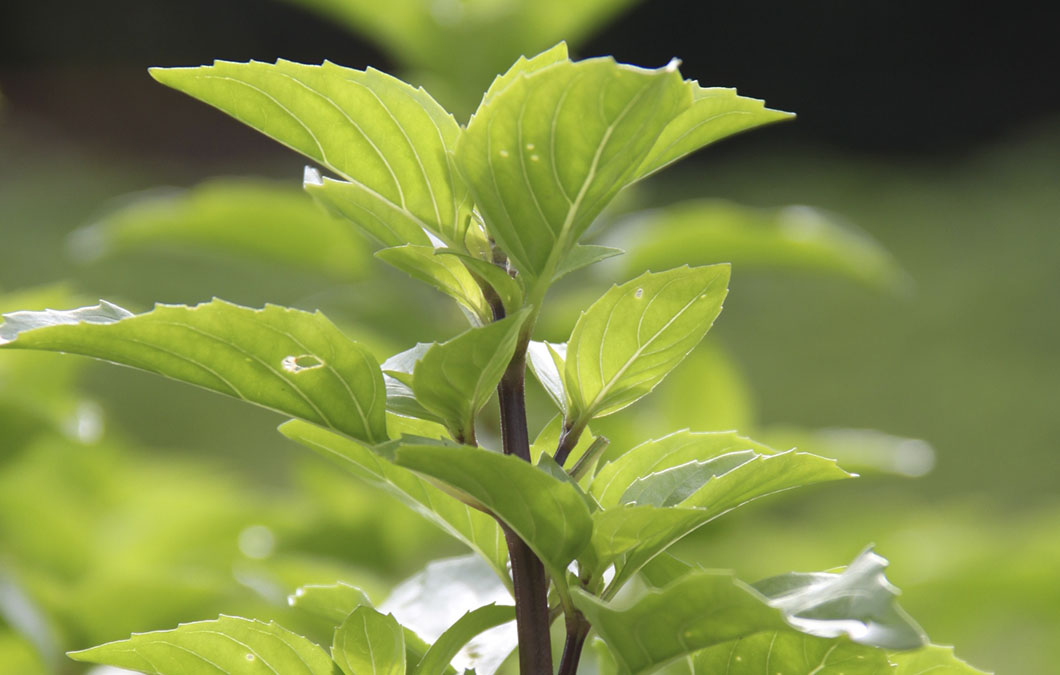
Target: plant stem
{"type": "Point", "coordinates": [577, 631]}
{"type": "Point", "coordinates": [530, 585]}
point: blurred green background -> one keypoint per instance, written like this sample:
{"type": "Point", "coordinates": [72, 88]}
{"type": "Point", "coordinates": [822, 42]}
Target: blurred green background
{"type": "Point", "coordinates": [128, 503]}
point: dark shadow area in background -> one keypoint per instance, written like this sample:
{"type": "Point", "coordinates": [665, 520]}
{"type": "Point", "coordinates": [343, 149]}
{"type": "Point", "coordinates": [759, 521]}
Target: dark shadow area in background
{"type": "Point", "coordinates": [890, 78]}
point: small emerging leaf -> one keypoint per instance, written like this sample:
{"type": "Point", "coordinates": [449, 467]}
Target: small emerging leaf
{"type": "Point", "coordinates": [546, 363]}
{"type": "Point", "coordinates": [455, 379]}
{"type": "Point", "coordinates": [283, 359]}
{"type": "Point", "coordinates": [228, 644]}
{"type": "Point", "coordinates": [369, 643]}
{"type": "Point", "coordinates": [445, 273]}
{"type": "Point", "coordinates": [629, 339]}
{"type": "Point", "coordinates": [333, 601]}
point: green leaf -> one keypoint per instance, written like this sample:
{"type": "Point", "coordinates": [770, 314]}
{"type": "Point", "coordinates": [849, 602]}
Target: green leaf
{"type": "Point", "coordinates": [544, 154]}
{"type": "Point", "coordinates": [283, 359]}
{"type": "Point", "coordinates": [548, 514]}
{"type": "Point", "coordinates": [793, 238]}
{"type": "Point", "coordinates": [614, 478]}
{"type": "Point", "coordinates": [525, 66]}
{"type": "Point", "coordinates": [397, 377]}
{"type": "Point", "coordinates": [228, 644]}
{"type": "Point", "coordinates": [674, 485]}
{"type": "Point", "coordinates": [932, 660]}
{"type": "Point", "coordinates": [507, 288]}
{"type": "Point", "coordinates": [390, 140]}
{"type": "Point", "coordinates": [445, 273]}
{"type": "Point", "coordinates": [446, 647]}
{"type": "Point", "coordinates": [706, 608]}
{"type": "Point", "coordinates": [476, 529]}
{"type": "Point", "coordinates": [369, 643]}
{"type": "Point", "coordinates": [791, 654]}
{"type": "Point", "coordinates": [546, 363]}
{"type": "Point", "coordinates": [333, 602]}
{"type": "Point", "coordinates": [379, 219]}
{"type": "Point", "coordinates": [629, 339]}
{"type": "Point", "coordinates": [548, 440]}
{"type": "Point", "coordinates": [455, 379]}
{"type": "Point", "coordinates": [256, 219]}
{"type": "Point", "coordinates": [432, 601]}
{"type": "Point", "coordinates": [714, 114]}
{"type": "Point", "coordinates": [858, 602]}
{"type": "Point", "coordinates": [697, 611]}
{"type": "Point", "coordinates": [583, 255]}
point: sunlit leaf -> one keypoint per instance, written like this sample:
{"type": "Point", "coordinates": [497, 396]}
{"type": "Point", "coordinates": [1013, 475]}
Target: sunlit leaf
{"type": "Point", "coordinates": [674, 485]}
{"type": "Point", "coordinates": [455, 379]}
{"type": "Point", "coordinates": [584, 255]}
{"type": "Point", "coordinates": [714, 114]}
{"type": "Point", "coordinates": [283, 359]}
{"type": "Point", "coordinates": [333, 601]}
{"type": "Point", "coordinates": [507, 288]}
{"type": "Point", "coordinates": [548, 514]}
{"type": "Point", "coordinates": [369, 643]}
{"type": "Point", "coordinates": [546, 363]}
{"type": "Point", "coordinates": [474, 528]}
{"type": "Point", "coordinates": [931, 660]}
{"type": "Point", "coordinates": [703, 608]}
{"type": "Point", "coordinates": [397, 377]}
{"type": "Point", "coordinates": [793, 237]}
{"type": "Point", "coordinates": [615, 477]}
{"type": "Point", "coordinates": [629, 339]}
{"type": "Point", "coordinates": [791, 654]}
{"type": "Point", "coordinates": [433, 601]}
{"type": "Point", "coordinates": [387, 138]}
{"type": "Point", "coordinates": [465, 629]}
{"type": "Point", "coordinates": [228, 644]}
{"type": "Point", "coordinates": [258, 219]}
{"type": "Point", "coordinates": [545, 153]}
{"type": "Point", "coordinates": [446, 273]}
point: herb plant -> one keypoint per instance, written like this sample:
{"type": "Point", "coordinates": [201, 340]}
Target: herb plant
{"type": "Point", "coordinates": [491, 215]}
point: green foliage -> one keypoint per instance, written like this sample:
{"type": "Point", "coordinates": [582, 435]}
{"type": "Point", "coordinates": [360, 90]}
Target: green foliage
{"type": "Point", "coordinates": [491, 214]}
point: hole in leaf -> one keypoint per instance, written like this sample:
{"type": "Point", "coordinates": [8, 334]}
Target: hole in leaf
{"type": "Point", "coordinates": [639, 293]}
{"type": "Point", "coordinates": [298, 364]}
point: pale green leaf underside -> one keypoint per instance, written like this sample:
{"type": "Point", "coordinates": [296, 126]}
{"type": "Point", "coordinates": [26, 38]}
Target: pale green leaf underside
{"type": "Point", "coordinates": [629, 339]}
{"type": "Point", "coordinates": [480, 532]}
{"type": "Point", "coordinates": [549, 515]}
{"type": "Point", "coordinates": [546, 153]}
{"type": "Point", "coordinates": [370, 128]}
{"type": "Point", "coordinates": [546, 363]}
{"type": "Point", "coordinates": [790, 654]}
{"type": "Point", "coordinates": [444, 272]}
{"type": "Point", "coordinates": [381, 220]}
{"type": "Point", "coordinates": [652, 456]}
{"type": "Point", "coordinates": [455, 379]}
{"type": "Point", "coordinates": [397, 376]}
{"type": "Point", "coordinates": [248, 218]}
{"type": "Point", "coordinates": [793, 238]}
{"type": "Point", "coordinates": [369, 643]}
{"type": "Point", "coordinates": [283, 359]}
{"type": "Point", "coordinates": [333, 602]}
{"type": "Point", "coordinates": [508, 289]}
{"type": "Point", "coordinates": [932, 660]}
{"type": "Point", "coordinates": [674, 485]}
{"type": "Point", "coordinates": [714, 114]}
{"type": "Point", "coordinates": [225, 646]}
{"type": "Point", "coordinates": [446, 647]}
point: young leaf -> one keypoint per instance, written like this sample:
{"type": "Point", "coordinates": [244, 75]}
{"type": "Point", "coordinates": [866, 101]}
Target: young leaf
{"type": "Point", "coordinates": [283, 359]}
{"type": "Point", "coordinates": [369, 643]}
{"type": "Point", "coordinates": [525, 66]}
{"type": "Point", "coordinates": [333, 601]}
{"type": "Point", "coordinates": [397, 377]}
{"type": "Point", "coordinates": [548, 514]}
{"type": "Point", "coordinates": [629, 339]}
{"type": "Point", "coordinates": [433, 601]}
{"type": "Point", "coordinates": [714, 114]}
{"type": "Point", "coordinates": [390, 140]}
{"type": "Point", "coordinates": [555, 145]}
{"type": "Point", "coordinates": [706, 231]}
{"type": "Point", "coordinates": [449, 644]}
{"type": "Point", "coordinates": [546, 363]}
{"type": "Point", "coordinates": [652, 456]}
{"type": "Point", "coordinates": [480, 532]}
{"type": "Point", "coordinates": [583, 255]}
{"type": "Point", "coordinates": [507, 288]}
{"type": "Point", "coordinates": [378, 218]}
{"type": "Point", "coordinates": [931, 660]}
{"type": "Point", "coordinates": [548, 440]}
{"type": "Point", "coordinates": [445, 273]}
{"type": "Point", "coordinates": [791, 654]}
{"type": "Point", "coordinates": [255, 219]}
{"type": "Point", "coordinates": [229, 644]}
{"type": "Point", "coordinates": [674, 485]}
{"type": "Point", "coordinates": [455, 379]}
